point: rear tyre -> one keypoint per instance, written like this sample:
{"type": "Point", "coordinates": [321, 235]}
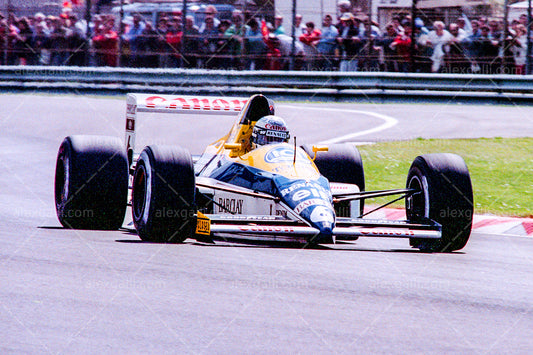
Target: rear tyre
{"type": "Point", "coordinates": [445, 197]}
{"type": "Point", "coordinates": [91, 183]}
{"type": "Point", "coordinates": [341, 163]}
{"type": "Point", "coordinates": [163, 195]}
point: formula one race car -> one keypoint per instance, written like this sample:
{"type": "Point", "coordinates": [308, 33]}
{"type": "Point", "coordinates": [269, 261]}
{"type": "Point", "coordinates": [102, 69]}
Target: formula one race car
{"type": "Point", "coordinates": [251, 185]}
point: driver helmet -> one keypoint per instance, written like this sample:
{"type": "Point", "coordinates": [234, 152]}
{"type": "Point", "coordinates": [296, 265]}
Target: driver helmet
{"type": "Point", "coordinates": [270, 129]}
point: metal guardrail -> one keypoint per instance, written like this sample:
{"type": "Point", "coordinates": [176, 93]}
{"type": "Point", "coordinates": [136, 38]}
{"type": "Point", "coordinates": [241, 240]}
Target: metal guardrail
{"type": "Point", "coordinates": [337, 86]}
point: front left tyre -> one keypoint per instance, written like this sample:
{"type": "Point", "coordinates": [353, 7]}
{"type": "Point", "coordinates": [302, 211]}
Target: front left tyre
{"type": "Point", "coordinates": [341, 163]}
{"type": "Point", "coordinates": [91, 182]}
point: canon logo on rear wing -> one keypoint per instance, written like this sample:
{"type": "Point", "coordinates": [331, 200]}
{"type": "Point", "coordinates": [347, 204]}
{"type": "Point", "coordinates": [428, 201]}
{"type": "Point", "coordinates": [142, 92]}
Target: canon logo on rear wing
{"type": "Point", "coordinates": [194, 103]}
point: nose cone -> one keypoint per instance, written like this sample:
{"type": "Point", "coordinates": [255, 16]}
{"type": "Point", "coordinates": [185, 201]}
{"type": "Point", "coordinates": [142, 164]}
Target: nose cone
{"type": "Point", "coordinates": [326, 228]}
{"type": "Point", "coordinates": [311, 200]}
{"type": "Point", "coordinates": [323, 218]}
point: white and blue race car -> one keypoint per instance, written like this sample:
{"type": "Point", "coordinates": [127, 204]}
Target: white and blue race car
{"type": "Point", "coordinates": [273, 193]}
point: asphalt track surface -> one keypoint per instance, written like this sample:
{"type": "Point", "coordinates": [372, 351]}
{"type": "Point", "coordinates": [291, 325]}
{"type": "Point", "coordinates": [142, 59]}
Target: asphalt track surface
{"type": "Point", "coordinates": [66, 291]}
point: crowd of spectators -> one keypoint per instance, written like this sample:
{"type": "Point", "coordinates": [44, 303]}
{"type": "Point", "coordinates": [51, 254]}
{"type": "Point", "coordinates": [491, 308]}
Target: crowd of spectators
{"type": "Point", "coordinates": [345, 43]}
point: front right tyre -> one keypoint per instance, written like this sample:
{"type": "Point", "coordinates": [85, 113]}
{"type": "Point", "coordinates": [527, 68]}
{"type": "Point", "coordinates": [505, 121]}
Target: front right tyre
{"type": "Point", "coordinates": [445, 196]}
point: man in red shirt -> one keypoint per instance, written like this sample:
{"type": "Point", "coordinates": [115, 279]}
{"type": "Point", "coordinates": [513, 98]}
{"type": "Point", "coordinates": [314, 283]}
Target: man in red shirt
{"type": "Point", "coordinates": [310, 38]}
{"type": "Point", "coordinates": [402, 44]}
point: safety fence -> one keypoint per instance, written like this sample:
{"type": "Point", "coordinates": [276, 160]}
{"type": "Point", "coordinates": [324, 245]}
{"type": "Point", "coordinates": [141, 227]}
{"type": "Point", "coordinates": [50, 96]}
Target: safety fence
{"type": "Point", "coordinates": [332, 86]}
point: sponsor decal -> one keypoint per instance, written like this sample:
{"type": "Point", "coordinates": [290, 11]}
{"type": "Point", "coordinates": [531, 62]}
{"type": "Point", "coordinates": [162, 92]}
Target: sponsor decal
{"type": "Point", "coordinates": [203, 224]}
{"type": "Point", "coordinates": [130, 124]}
{"type": "Point", "coordinates": [388, 232]}
{"type": "Point", "coordinates": [251, 218]}
{"type": "Point", "coordinates": [322, 214]}
{"type": "Point", "coordinates": [284, 154]}
{"type": "Point", "coordinates": [308, 203]}
{"type": "Point", "coordinates": [276, 134]}
{"type": "Point", "coordinates": [275, 229]}
{"type": "Point", "coordinates": [195, 103]}
{"type": "Point", "coordinates": [232, 205]}
{"type": "Point", "coordinates": [293, 187]}
{"type": "Point", "coordinates": [309, 191]}
{"type": "Point", "coordinates": [275, 127]}
{"type": "Point", "coordinates": [131, 109]}
{"type": "Point", "coordinates": [282, 213]}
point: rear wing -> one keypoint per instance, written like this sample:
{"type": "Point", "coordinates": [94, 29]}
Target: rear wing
{"type": "Point", "coordinates": [136, 103]}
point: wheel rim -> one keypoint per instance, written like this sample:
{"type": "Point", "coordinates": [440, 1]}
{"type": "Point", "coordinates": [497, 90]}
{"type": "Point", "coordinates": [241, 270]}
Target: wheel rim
{"type": "Point", "coordinates": [139, 192]}
{"type": "Point", "coordinates": [417, 203]}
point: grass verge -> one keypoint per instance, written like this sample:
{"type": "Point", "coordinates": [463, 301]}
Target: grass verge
{"type": "Point", "coordinates": [501, 169]}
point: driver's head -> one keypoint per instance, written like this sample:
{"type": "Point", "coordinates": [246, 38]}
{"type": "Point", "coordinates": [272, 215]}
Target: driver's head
{"type": "Point", "coordinates": [270, 129]}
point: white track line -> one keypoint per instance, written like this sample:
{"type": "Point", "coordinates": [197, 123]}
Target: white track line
{"type": "Point", "coordinates": [389, 122]}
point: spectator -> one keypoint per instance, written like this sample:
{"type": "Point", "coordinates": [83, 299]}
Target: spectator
{"type": "Point", "coordinates": [75, 41]}
{"type": "Point", "coordinates": [369, 53]}
{"type": "Point", "coordinates": [456, 61]}
{"type": "Point", "coordinates": [40, 44]}
{"type": "Point", "coordinates": [22, 44]}
{"type": "Point", "coordinates": [149, 47]}
{"type": "Point", "coordinates": [222, 56]}
{"type": "Point", "coordinates": [12, 33]}
{"type": "Point", "coordinates": [278, 25]}
{"type": "Point", "coordinates": [255, 46]}
{"type": "Point", "coordinates": [310, 39]}
{"type": "Point", "coordinates": [208, 43]}
{"type": "Point", "coordinates": [397, 25]}
{"type": "Point", "coordinates": [106, 44]}
{"type": "Point", "coordinates": [210, 14]}
{"type": "Point", "coordinates": [132, 37]}
{"type": "Point", "coordinates": [191, 43]}
{"type": "Point", "coordinates": [273, 58]}
{"type": "Point", "coordinates": [327, 44]}
{"type": "Point", "coordinates": [299, 27]}
{"type": "Point", "coordinates": [489, 49]}
{"type": "Point", "coordinates": [523, 20]}
{"type": "Point", "coordinates": [475, 28]}
{"type": "Point", "coordinates": [438, 38]}
{"type": "Point", "coordinates": [402, 45]}
{"type": "Point", "coordinates": [95, 24]}
{"type": "Point", "coordinates": [349, 42]}
{"type": "Point", "coordinates": [471, 47]}
{"type": "Point", "coordinates": [3, 40]}
{"type": "Point", "coordinates": [174, 36]}
{"type": "Point", "coordinates": [235, 35]}
{"type": "Point", "coordinates": [390, 63]}
{"type": "Point", "coordinates": [423, 49]}
{"type": "Point", "coordinates": [519, 49]}
{"type": "Point", "coordinates": [161, 42]}
{"type": "Point", "coordinates": [462, 28]}
{"type": "Point", "coordinates": [58, 43]}
{"type": "Point", "coordinates": [344, 6]}
{"type": "Point", "coordinates": [285, 47]}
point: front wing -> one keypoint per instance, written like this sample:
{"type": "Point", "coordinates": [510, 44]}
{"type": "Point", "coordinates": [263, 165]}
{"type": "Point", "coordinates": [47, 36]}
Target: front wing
{"type": "Point", "coordinates": [278, 229]}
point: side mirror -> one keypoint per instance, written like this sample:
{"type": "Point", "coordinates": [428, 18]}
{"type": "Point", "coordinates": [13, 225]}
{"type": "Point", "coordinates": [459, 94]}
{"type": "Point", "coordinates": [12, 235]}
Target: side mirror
{"type": "Point", "coordinates": [319, 148]}
{"type": "Point", "coordinates": [233, 146]}
{"type": "Point", "coordinates": [237, 149]}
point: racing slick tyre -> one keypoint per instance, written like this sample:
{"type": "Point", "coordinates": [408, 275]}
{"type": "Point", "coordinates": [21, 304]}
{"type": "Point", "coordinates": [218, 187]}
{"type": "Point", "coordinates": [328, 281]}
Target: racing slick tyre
{"type": "Point", "coordinates": [163, 195]}
{"type": "Point", "coordinates": [445, 197]}
{"type": "Point", "coordinates": [341, 163]}
{"type": "Point", "coordinates": [91, 183]}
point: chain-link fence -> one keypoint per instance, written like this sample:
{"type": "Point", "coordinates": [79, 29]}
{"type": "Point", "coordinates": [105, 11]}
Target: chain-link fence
{"type": "Point", "coordinates": [262, 35]}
